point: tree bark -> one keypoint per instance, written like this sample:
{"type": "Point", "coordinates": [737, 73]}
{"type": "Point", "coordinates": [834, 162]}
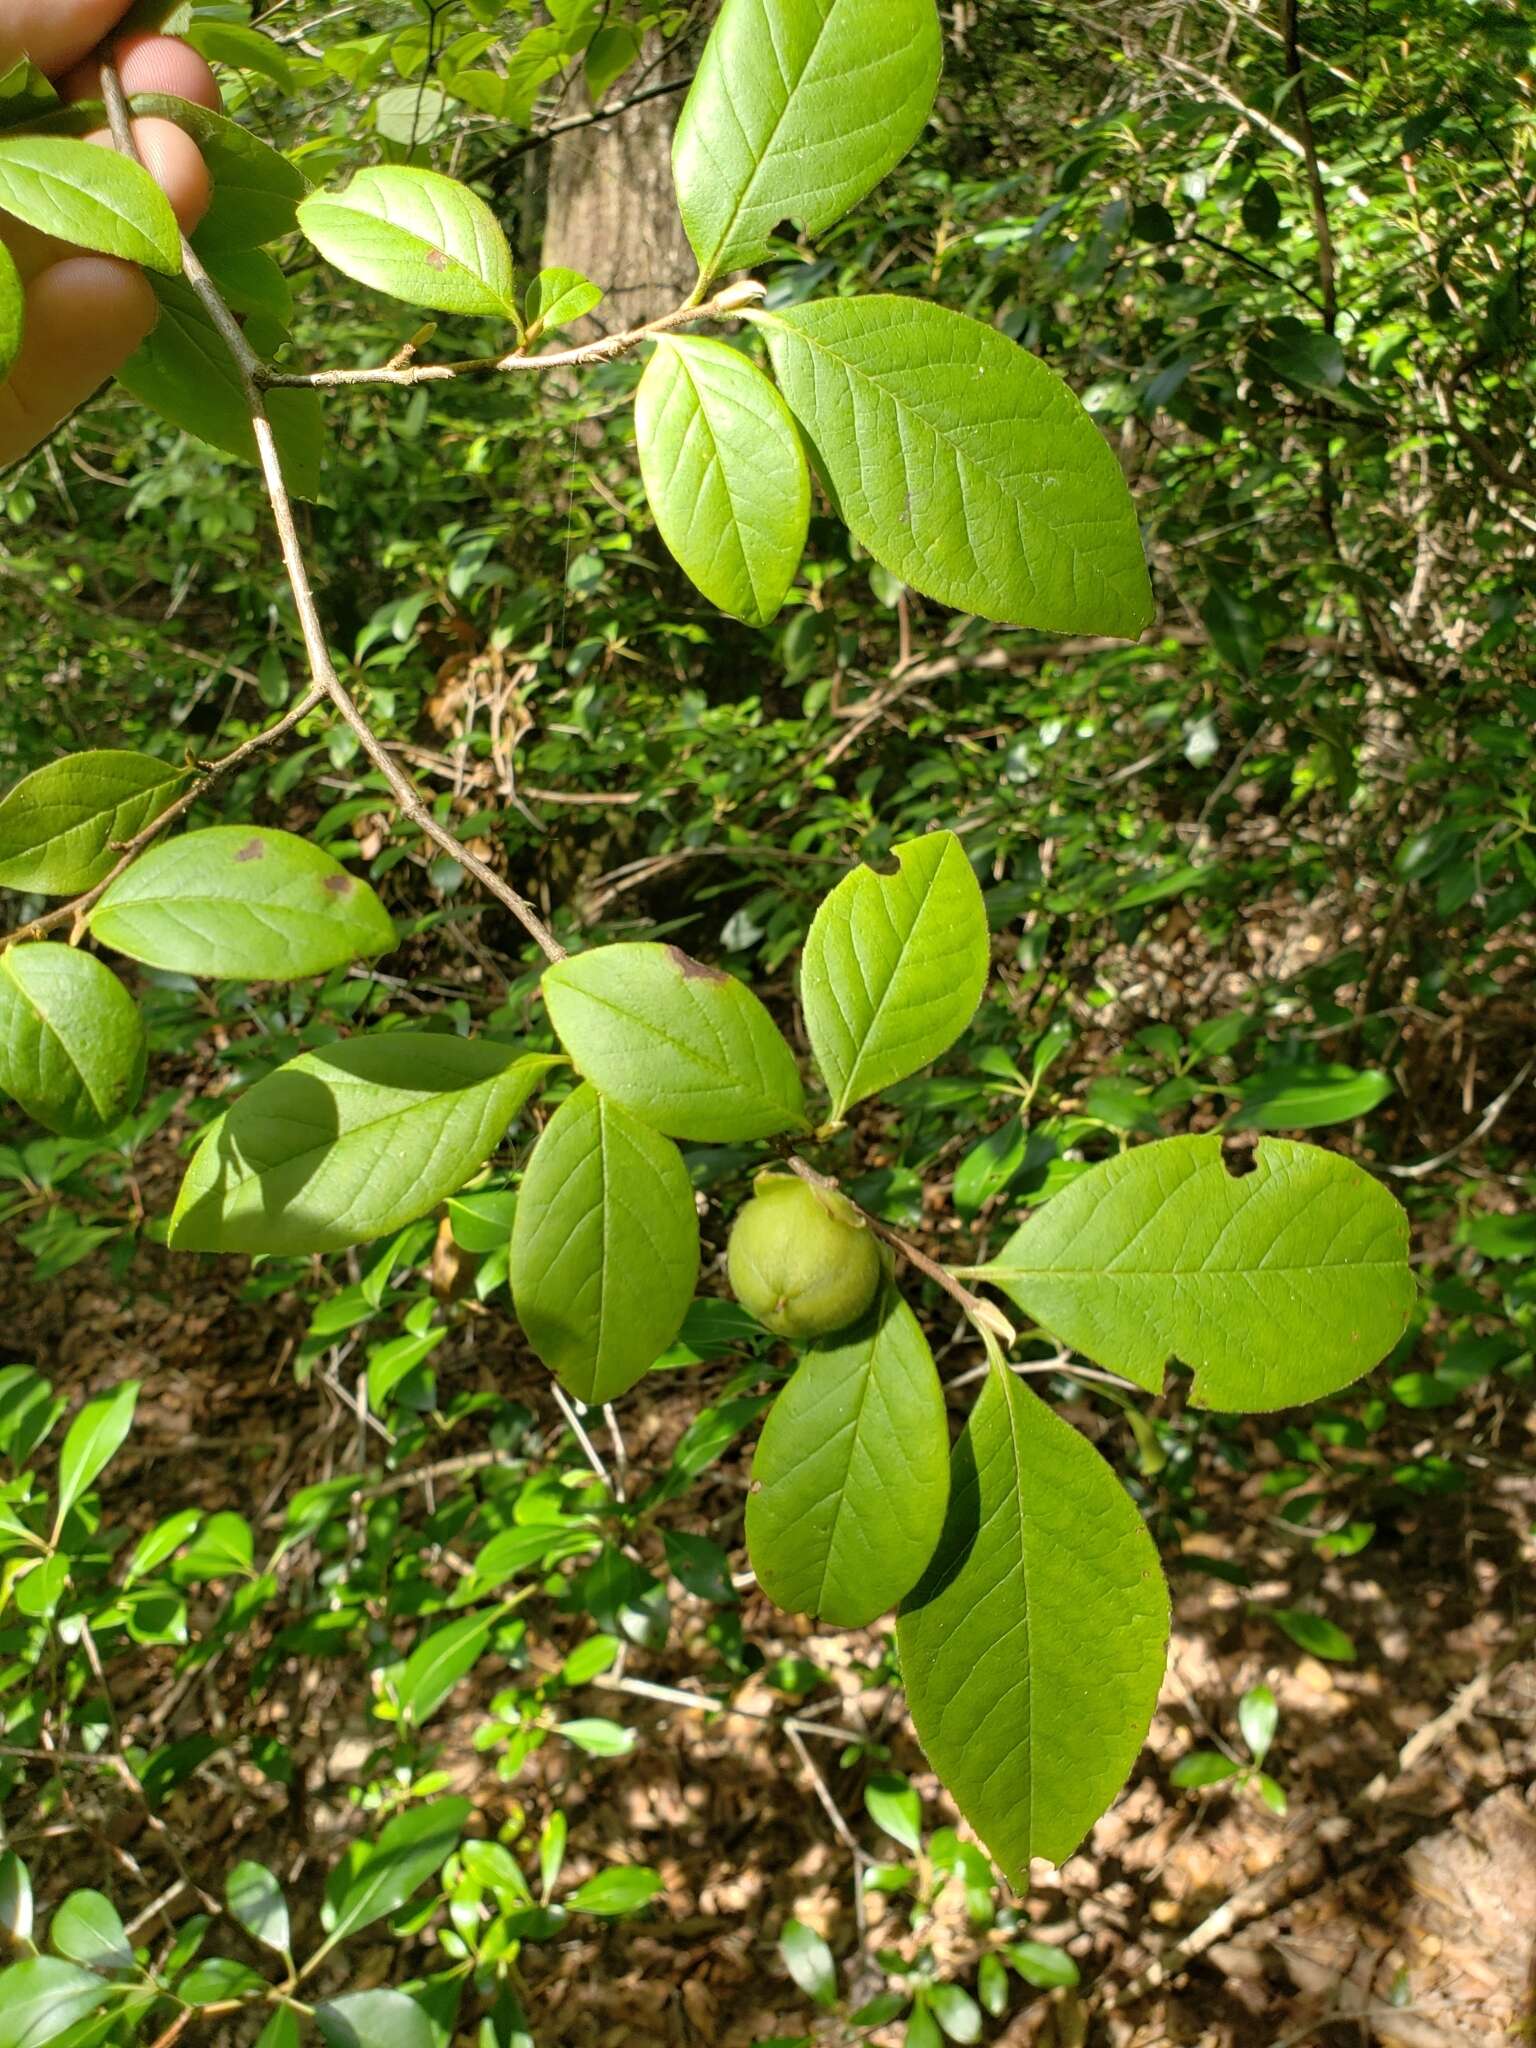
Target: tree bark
{"type": "Point", "coordinates": [611, 212]}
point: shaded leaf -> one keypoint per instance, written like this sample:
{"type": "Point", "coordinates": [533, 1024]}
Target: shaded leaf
{"type": "Point", "coordinates": [62, 827]}
{"type": "Point", "coordinates": [351, 1142]}
{"type": "Point", "coordinates": [72, 1043]}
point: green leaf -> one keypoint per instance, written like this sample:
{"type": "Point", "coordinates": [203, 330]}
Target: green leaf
{"type": "Point", "coordinates": [956, 2012]}
{"type": "Point", "coordinates": [894, 1806]}
{"type": "Point", "coordinates": [605, 1247]}
{"type": "Point", "coordinates": [225, 1548]}
{"type": "Point", "coordinates": [351, 1142]}
{"type": "Point", "coordinates": [15, 1899]}
{"type": "Point", "coordinates": [25, 95]}
{"type": "Point", "coordinates": [482, 1223]}
{"type": "Point", "coordinates": [218, 1978]}
{"type": "Point", "coordinates": [556, 298]}
{"type": "Point", "coordinates": [609, 55]}
{"type": "Point", "coordinates": [13, 312]}
{"type": "Point", "coordinates": [185, 372]}
{"type": "Point", "coordinates": [1041, 1964]}
{"type": "Point", "coordinates": [241, 49]}
{"type": "Point", "coordinates": [281, 2031]}
{"type": "Point", "coordinates": [256, 1900]}
{"type": "Point", "coordinates": [251, 281]}
{"type": "Point", "coordinates": [551, 1851]}
{"type": "Point", "coordinates": [439, 1661]}
{"type": "Point", "coordinates": [1033, 1649]}
{"type": "Point", "coordinates": [1203, 1767]}
{"type": "Point", "coordinates": [851, 1473]}
{"type": "Point", "coordinates": [413, 1846]}
{"type": "Point", "coordinates": [72, 1044]}
{"type": "Point", "coordinates": [725, 473]}
{"type": "Point", "coordinates": [62, 827]}
{"type": "Point", "coordinates": [623, 1888]}
{"type": "Point", "coordinates": [1276, 1287]}
{"type": "Point", "coordinates": [1306, 1097]}
{"type": "Point", "coordinates": [597, 1737]}
{"type": "Point", "coordinates": [86, 1929]}
{"type": "Point", "coordinates": [894, 967]}
{"type": "Point", "coordinates": [687, 1049]}
{"type": "Point", "coordinates": [256, 190]}
{"type": "Point", "coordinates": [89, 196]}
{"type": "Point", "coordinates": [798, 109]}
{"type": "Point", "coordinates": [374, 2019]}
{"type": "Point", "coordinates": [417, 235]}
{"type": "Point", "coordinates": [42, 1997]}
{"type": "Point", "coordinates": [1258, 1716]}
{"type": "Point", "coordinates": [242, 903]}
{"type": "Point", "coordinates": [93, 1440]}
{"type": "Point", "coordinates": [1315, 1634]}
{"type": "Point", "coordinates": [809, 1961]}
{"type": "Point", "coordinates": [966, 467]}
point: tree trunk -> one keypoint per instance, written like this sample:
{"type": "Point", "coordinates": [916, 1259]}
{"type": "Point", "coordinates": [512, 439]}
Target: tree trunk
{"type": "Point", "coordinates": [611, 210]}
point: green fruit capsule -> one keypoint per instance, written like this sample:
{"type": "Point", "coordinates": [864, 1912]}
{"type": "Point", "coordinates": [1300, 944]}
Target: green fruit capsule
{"type": "Point", "coordinates": [801, 1259]}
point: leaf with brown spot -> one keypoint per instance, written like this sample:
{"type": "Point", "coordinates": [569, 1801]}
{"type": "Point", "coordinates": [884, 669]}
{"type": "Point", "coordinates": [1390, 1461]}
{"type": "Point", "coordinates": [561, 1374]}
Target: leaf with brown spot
{"type": "Point", "coordinates": [233, 905]}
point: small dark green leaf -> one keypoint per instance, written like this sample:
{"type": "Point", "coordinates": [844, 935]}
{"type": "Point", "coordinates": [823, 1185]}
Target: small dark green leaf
{"type": "Point", "coordinates": [439, 1661]}
{"type": "Point", "coordinates": [86, 1929]}
{"type": "Point", "coordinates": [412, 1846]}
{"type": "Point", "coordinates": [256, 1900]}
{"type": "Point", "coordinates": [616, 1891]}
{"type": "Point", "coordinates": [94, 1439]}
{"type": "Point", "coordinates": [809, 1962]}
{"type": "Point", "coordinates": [1311, 1632]}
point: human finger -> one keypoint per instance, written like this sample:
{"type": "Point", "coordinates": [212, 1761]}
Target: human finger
{"type": "Point", "coordinates": [85, 316]}
{"type": "Point", "coordinates": [147, 64]}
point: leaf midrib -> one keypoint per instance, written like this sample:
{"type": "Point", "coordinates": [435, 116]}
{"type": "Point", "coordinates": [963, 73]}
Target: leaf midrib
{"type": "Point", "coordinates": [765, 154]}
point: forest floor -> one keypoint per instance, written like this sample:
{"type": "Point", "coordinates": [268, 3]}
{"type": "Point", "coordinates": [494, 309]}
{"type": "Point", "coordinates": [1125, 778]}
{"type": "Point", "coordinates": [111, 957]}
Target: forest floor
{"type": "Point", "coordinates": [1394, 1902]}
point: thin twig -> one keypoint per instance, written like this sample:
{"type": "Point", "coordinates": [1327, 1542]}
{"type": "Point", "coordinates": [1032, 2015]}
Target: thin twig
{"type": "Point", "coordinates": [1480, 1129]}
{"type": "Point", "coordinates": [589, 1449]}
{"type": "Point", "coordinates": [734, 299]}
{"type": "Point", "coordinates": [249, 369]}
{"type": "Point", "coordinates": [1319, 198]}
{"type": "Point", "coordinates": [572, 122]}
